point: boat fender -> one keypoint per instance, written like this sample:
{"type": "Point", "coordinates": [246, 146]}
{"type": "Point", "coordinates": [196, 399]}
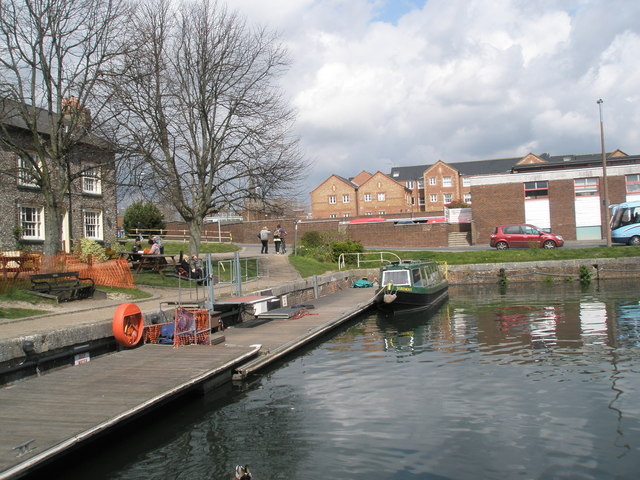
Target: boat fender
{"type": "Point", "coordinates": [127, 324]}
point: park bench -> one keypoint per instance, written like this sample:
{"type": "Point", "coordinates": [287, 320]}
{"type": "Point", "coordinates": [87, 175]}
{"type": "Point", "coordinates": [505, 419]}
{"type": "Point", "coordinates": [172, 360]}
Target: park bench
{"type": "Point", "coordinates": [62, 286]}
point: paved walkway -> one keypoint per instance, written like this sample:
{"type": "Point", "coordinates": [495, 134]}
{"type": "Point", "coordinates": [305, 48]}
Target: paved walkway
{"type": "Point", "coordinates": [89, 319]}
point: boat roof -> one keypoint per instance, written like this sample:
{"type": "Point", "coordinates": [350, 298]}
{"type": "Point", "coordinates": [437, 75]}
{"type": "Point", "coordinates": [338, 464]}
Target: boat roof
{"type": "Point", "coordinates": [406, 264]}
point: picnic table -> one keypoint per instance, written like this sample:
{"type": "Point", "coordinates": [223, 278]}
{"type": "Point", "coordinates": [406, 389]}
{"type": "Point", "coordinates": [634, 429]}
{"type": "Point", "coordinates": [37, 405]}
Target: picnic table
{"type": "Point", "coordinates": [156, 263]}
{"type": "Point", "coordinates": [18, 263]}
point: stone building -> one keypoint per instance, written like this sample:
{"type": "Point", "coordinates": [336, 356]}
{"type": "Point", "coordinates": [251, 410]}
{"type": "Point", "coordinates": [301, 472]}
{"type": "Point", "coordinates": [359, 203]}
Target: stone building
{"type": "Point", "coordinates": [89, 210]}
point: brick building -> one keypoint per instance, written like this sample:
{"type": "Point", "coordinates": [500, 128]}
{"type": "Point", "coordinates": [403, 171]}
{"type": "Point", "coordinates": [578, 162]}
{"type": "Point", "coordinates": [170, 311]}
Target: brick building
{"type": "Point", "coordinates": [364, 195]}
{"type": "Point", "coordinates": [89, 210]}
{"type": "Point", "coordinates": [562, 193]}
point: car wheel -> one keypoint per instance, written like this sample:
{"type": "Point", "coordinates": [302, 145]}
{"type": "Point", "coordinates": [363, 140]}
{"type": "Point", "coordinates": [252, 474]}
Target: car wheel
{"type": "Point", "coordinates": [502, 246]}
{"type": "Point", "coordinates": [549, 244]}
{"type": "Point", "coordinates": [635, 241]}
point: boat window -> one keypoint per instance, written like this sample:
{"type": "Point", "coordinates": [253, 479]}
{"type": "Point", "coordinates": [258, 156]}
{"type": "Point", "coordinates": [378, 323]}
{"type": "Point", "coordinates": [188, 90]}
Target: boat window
{"type": "Point", "coordinates": [396, 277]}
{"type": "Point", "coordinates": [417, 278]}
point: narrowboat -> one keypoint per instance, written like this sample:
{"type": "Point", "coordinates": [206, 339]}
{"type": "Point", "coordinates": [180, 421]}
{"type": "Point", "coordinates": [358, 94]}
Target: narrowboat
{"type": "Point", "coordinates": [411, 284]}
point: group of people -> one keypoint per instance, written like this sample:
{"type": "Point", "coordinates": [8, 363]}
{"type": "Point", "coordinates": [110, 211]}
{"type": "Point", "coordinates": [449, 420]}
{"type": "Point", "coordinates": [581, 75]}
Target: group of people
{"type": "Point", "coordinates": [279, 235]}
{"type": "Point", "coordinates": [155, 246]}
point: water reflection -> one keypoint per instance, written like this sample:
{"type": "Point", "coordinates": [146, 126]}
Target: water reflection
{"type": "Point", "coordinates": [530, 382]}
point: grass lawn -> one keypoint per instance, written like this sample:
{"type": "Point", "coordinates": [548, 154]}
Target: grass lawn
{"type": "Point", "coordinates": [175, 248]}
{"type": "Point", "coordinates": [308, 266]}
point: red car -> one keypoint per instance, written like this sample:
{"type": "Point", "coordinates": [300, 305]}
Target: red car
{"type": "Point", "coordinates": [523, 236]}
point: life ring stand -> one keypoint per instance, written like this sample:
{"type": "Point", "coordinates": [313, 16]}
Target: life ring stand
{"type": "Point", "coordinates": [127, 325]}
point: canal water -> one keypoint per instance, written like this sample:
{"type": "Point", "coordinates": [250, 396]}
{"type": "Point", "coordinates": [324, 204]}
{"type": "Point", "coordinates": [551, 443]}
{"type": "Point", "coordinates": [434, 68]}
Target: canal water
{"type": "Point", "coordinates": [533, 382]}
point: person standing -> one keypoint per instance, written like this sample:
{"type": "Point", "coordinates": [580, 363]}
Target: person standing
{"type": "Point", "coordinates": [276, 238]}
{"type": "Point", "coordinates": [280, 245]}
{"type": "Point", "coordinates": [264, 238]}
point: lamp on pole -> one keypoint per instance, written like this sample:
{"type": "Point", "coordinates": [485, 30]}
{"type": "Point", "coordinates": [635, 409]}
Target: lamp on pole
{"type": "Point", "coordinates": [605, 190]}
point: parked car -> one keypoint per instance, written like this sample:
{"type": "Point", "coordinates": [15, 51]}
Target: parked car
{"type": "Point", "coordinates": [522, 236]}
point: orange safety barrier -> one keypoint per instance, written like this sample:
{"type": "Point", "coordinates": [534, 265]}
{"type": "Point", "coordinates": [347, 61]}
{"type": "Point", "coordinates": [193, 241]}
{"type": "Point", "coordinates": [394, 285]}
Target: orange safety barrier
{"type": "Point", "coordinates": [112, 273]}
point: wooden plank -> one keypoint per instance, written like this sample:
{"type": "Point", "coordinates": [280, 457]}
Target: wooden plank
{"type": "Point", "coordinates": [62, 408]}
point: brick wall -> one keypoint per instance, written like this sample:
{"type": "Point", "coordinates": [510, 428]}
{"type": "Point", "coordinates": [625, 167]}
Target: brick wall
{"type": "Point", "coordinates": [333, 187]}
{"type": "Point", "coordinates": [562, 208]}
{"type": "Point", "coordinates": [494, 205]}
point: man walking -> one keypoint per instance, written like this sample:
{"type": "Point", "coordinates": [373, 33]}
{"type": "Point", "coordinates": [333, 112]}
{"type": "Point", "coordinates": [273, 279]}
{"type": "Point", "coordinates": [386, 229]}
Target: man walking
{"type": "Point", "coordinates": [264, 238]}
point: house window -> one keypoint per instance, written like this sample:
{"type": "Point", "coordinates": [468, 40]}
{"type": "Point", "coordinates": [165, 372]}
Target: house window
{"type": "Point", "coordinates": [381, 212]}
{"type": "Point", "coordinates": [448, 198]}
{"type": "Point", "coordinates": [396, 174]}
{"type": "Point", "coordinates": [345, 198]}
{"type": "Point", "coordinates": [421, 201]}
{"type": "Point", "coordinates": [367, 197]}
{"type": "Point", "coordinates": [410, 184]}
{"type": "Point", "coordinates": [432, 180]}
{"type": "Point", "coordinates": [26, 171]}
{"type": "Point", "coordinates": [381, 197]}
{"type": "Point", "coordinates": [368, 213]}
{"type": "Point", "coordinates": [332, 199]}
{"type": "Point", "coordinates": [420, 184]}
{"type": "Point", "coordinates": [91, 179]}
{"type": "Point", "coordinates": [467, 198]}
{"type": "Point", "coordinates": [466, 182]}
{"type": "Point", "coordinates": [332, 215]}
{"type": "Point", "coordinates": [433, 197]}
{"type": "Point", "coordinates": [93, 224]}
{"type": "Point", "coordinates": [633, 183]}
{"type": "Point", "coordinates": [535, 190]}
{"type": "Point", "coordinates": [586, 187]}
{"type": "Point", "coordinates": [346, 215]}
{"type": "Point", "coordinates": [446, 181]}
{"type": "Point", "coordinates": [32, 222]}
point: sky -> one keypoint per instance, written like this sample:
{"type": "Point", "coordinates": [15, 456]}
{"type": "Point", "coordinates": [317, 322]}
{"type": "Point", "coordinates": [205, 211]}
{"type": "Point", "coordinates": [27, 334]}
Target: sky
{"type": "Point", "coordinates": [382, 83]}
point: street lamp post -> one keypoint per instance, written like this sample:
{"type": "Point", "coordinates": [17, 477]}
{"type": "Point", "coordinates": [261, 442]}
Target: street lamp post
{"type": "Point", "coordinates": [605, 189]}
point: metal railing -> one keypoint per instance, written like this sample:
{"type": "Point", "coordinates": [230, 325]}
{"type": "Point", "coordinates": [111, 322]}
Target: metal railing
{"type": "Point", "coordinates": [181, 235]}
{"type": "Point", "coordinates": [228, 270]}
{"type": "Point", "coordinates": [361, 260]}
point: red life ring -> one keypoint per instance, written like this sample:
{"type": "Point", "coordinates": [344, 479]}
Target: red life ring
{"type": "Point", "coordinates": [127, 324]}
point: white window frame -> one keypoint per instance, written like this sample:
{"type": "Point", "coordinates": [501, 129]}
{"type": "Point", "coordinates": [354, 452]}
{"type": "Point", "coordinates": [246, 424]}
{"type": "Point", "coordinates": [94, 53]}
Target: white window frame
{"type": "Point", "coordinates": [433, 181]}
{"type": "Point", "coordinates": [410, 184]}
{"type": "Point", "coordinates": [381, 212]}
{"type": "Point", "coordinates": [31, 222]}
{"type": "Point", "coordinates": [420, 184]}
{"type": "Point", "coordinates": [447, 198]}
{"type": "Point", "coordinates": [446, 181]}
{"type": "Point", "coordinates": [381, 196]}
{"type": "Point", "coordinates": [466, 198]}
{"type": "Point", "coordinates": [587, 187]}
{"type": "Point", "coordinates": [346, 215]}
{"type": "Point", "coordinates": [632, 183]}
{"type": "Point", "coordinates": [91, 179]}
{"type": "Point", "coordinates": [345, 198]}
{"type": "Point", "coordinates": [466, 182]}
{"type": "Point", "coordinates": [433, 198]}
{"type": "Point", "coordinates": [92, 224]}
{"type": "Point", "coordinates": [25, 179]}
{"type": "Point", "coordinates": [332, 215]}
{"type": "Point", "coordinates": [332, 199]}
{"type": "Point", "coordinates": [367, 197]}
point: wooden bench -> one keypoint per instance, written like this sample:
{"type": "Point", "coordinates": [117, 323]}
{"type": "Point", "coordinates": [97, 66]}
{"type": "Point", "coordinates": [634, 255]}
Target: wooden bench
{"type": "Point", "coordinates": [63, 286]}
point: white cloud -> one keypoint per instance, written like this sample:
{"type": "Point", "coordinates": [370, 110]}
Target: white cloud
{"type": "Point", "coordinates": [378, 83]}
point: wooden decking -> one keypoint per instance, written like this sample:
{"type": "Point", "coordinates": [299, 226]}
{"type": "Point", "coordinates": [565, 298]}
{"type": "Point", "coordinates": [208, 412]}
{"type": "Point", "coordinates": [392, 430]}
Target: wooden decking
{"type": "Point", "coordinates": [42, 417]}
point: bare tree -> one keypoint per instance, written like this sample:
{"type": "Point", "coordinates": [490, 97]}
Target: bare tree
{"type": "Point", "coordinates": [51, 56]}
{"type": "Point", "coordinates": [203, 122]}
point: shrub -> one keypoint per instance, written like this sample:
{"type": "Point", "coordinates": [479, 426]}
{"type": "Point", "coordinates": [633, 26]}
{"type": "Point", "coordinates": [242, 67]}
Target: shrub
{"type": "Point", "coordinates": [145, 216]}
{"type": "Point", "coordinates": [458, 204]}
{"type": "Point", "coordinates": [87, 247]}
{"type": "Point", "coordinates": [312, 239]}
{"type": "Point", "coordinates": [348, 246]}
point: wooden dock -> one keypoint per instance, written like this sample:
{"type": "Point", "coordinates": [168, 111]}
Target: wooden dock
{"type": "Point", "coordinates": [42, 418]}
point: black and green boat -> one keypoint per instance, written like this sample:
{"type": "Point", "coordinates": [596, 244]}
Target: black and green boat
{"type": "Point", "coordinates": [411, 284]}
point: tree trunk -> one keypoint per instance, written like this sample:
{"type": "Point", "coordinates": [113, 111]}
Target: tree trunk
{"type": "Point", "coordinates": [52, 227]}
{"type": "Point", "coordinates": [195, 231]}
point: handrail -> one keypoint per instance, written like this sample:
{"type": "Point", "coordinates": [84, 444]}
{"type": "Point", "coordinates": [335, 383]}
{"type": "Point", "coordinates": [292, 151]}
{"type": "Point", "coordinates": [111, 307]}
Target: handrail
{"type": "Point", "coordinates": [342, 264]}
{"type": "Point", "coordinates": [182, 235]}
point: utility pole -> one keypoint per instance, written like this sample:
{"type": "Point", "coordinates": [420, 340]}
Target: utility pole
{"type": "Point", "coordinates": [605, 189]}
